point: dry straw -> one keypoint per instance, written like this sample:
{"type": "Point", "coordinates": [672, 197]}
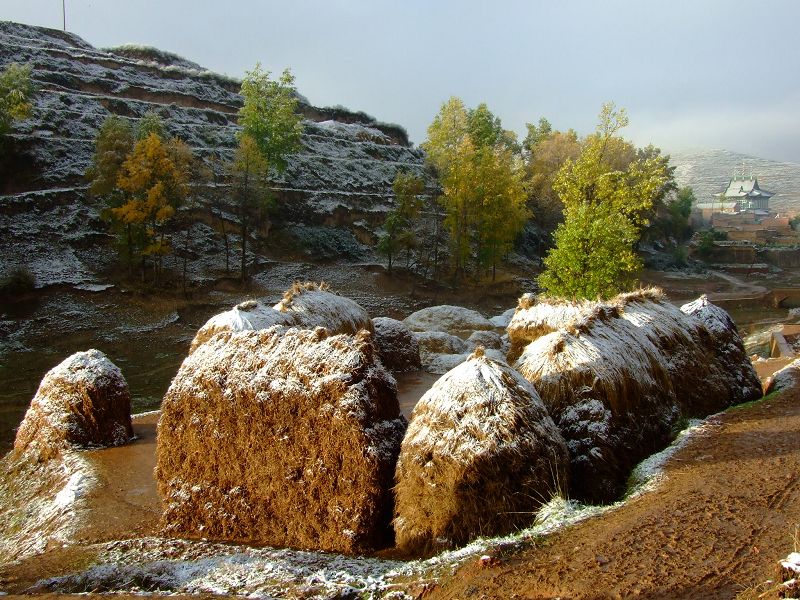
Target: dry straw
{"type": "Point", "coordinates": [281, 437]}
{"type": "Point", "coordinates": [305, 305]}
{"type": "Point", "coordinates": [82, 402]}
{"type": "Point", "coordinates": [617, 376]}
{"type": "Point", "coordinates": [480, 456]}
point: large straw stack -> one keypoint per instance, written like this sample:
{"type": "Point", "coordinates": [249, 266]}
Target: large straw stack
{"type": "Point", "coordinates": [281, 437]}
{"type": "Point", "coordinates": [617, 376]}
{"type": "Point", "coordinates": [480, 456]}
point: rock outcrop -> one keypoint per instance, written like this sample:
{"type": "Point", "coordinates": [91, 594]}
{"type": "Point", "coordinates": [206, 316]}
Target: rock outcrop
{"type": "Point", "coordinates": [455, 320]}
{"type": "Point", "coordinates": [480, 456]}
{"type": "Point", "coordinates": [83, 402]}
{"type": "Point", "coordinates": [281, 437]}
{"type": "Point", "coordinates": [338, 185]}
{"type": "Point", "coordinates": [398, 347]}
{"type": "Point", "coordinates": [616, 376]}
{"type": "Point", "coordinates": [786, 378]}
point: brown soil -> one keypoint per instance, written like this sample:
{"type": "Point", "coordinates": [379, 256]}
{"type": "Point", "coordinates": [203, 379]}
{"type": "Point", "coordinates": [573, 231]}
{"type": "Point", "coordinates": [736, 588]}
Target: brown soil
{"type": "Point", "coordinates": [715, 528]}
{"type": "Point", "coordinates": [124, 505]}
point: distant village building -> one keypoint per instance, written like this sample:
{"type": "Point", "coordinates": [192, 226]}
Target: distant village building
{"type": "Point", "coordinates": [742, 211]}
{"type": "Point", "coordinates": [743, 194]}
{"type": "Point", "coordinates": [747, 193]}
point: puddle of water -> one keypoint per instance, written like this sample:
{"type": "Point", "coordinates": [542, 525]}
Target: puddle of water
{"type": "Point", "coordinates": [411, 387]}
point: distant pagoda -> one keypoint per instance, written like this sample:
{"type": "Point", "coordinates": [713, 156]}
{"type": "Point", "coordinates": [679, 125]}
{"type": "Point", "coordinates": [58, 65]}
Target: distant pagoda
{"type": "Point", "coordinates": [745, 194]}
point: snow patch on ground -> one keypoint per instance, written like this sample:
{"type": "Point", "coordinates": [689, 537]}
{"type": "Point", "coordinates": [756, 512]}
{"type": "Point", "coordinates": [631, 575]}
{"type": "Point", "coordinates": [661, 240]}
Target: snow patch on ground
{"type": "Point", "coordinates": [649, 473]}
{"type": "Point", "coordinates": [180, 566]}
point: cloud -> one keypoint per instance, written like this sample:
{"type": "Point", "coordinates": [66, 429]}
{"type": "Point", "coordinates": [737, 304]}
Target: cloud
{"type": "Point", "coordinates": [769, 130]}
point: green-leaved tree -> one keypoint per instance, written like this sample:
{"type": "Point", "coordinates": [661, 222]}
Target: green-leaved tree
{"type": "Point", "coordinates": [481, 173]}
{"type": "Point", "coordinates": [16, 91]}
{"type": "Point", "coordinates": [271, 130]}
{"type": "Point", "coordinates": [399, 224]}
{"type": "Point", "coordinates": [605, 209]}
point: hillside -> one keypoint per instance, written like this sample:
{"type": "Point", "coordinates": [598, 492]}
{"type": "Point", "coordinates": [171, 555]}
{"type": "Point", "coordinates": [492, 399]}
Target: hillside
{"type": "Point", "coordinates": [335, 191]}
{"type": "Point", "coordinates": [708, 172]}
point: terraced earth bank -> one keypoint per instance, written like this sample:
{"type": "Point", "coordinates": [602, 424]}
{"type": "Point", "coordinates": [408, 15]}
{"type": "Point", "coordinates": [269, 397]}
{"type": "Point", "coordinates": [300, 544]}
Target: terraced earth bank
{"type": "Point", "coordinates": [332, 198]}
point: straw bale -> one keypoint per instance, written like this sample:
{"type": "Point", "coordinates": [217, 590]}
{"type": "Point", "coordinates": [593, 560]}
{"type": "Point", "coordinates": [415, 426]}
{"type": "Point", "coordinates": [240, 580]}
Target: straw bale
{"type": "Point", "coordinates": [281, 437]}
{"type": "Point", "coordinates": [450, 319]}
{"type": "Point", "coordinates": [314, 305]}
{"type": "Point", "coordinates": [248, 315]}
{"type": "Point", "coordinates": [534, 318]}
{"type": "Point", "coordinates": [398, 347]}
{"type": "Point", "coordinates": [82, 402]}
{"type": "Point", "coordinates": [480, 456]}
{"type": "Point", "coordinates": [785, 379]}
{"type": "Point", "coordinates": [727, 347]}
{"type": "Point", "coordinates": [616, 376]}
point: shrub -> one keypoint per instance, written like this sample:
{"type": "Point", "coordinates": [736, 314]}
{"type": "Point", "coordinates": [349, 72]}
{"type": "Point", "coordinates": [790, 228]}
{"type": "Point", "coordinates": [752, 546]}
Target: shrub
{"type": "Point", "coordinates": [18, 282]}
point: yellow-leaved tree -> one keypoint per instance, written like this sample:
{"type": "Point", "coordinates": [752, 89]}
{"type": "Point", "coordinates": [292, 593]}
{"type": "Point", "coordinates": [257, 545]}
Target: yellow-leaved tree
{"type": "Point", "coordinates": [608, 194]}
{"type": "Point", "coordinates": [482, 178]}
{"type": "Point", "coordinates": [155, 179]}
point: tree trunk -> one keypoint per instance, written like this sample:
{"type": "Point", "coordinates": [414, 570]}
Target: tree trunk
{"type": "Point", "coordinates": [185, 260]}
{"type": "Point", "coordinates": [130, 250]}
{"type": "Point", "coordinates": [227, 248]}
{"type": "Point", "coordinates": [244, 250]}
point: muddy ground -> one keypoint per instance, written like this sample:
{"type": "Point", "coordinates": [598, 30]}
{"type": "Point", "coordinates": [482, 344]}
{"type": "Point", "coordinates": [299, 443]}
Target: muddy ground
{"type": "Point", "coordinates": [726, 513]}
{"type": "Point", "coordinates": [727, 510]}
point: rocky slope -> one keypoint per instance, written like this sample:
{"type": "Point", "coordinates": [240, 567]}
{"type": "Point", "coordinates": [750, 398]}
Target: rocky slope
{"type": "Point", "coordinates": [335, 191]}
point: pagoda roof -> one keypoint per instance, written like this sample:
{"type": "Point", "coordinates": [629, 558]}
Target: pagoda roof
{"type": "Point", "coordinates": [744, 187]}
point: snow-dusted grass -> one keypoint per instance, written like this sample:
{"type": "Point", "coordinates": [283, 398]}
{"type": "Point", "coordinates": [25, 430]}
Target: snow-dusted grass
{"type": "Point", "coordinates": [42, 504]}
{"type": "Point", "coordinates": [177, 566]}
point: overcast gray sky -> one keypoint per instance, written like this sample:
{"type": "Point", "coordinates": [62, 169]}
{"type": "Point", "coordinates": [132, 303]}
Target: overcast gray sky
{"type": "Point", "coordinates": [691, 73]}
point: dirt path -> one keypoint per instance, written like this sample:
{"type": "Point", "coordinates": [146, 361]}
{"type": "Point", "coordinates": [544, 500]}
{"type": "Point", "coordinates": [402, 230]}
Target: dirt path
{"type": "Point", "coordinates": [742, 289]}
{"type": "Point", "coordinates": [716, 527]}
{"type": "Point", "coordinates": [126, 503]}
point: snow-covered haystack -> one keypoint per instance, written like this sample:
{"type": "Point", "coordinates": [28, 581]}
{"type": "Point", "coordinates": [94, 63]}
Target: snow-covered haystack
{"type": "Point", "coordinates": [305, 305]}
{"type": "Point", "coordinates": [314, 305]}
{"type": "Point", "coordinates": [455, 320]}
{"type": "Point", "coordinates": [41, 503]}
{"type": "Point", "coordinates": [398, 347]}
{"type": "Point", "coordinates": [727, 347]}
{"type": "Point", "coordinates": [532, 320]}
{"type": "Point", "coordinates": [786, 379]}
{"type": "Point", "coordinates": [616, 376]}
{"type": "Point", "coordinates": [82, 402]}
{"type": "Point", "coordinates": [788, 577]}
{"type": "Point", "coordinates": [281, 437]}
{"type": "Point", "coordinates": [480, 456]}
{"type": "Point", "coordinates": [246, 316]}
